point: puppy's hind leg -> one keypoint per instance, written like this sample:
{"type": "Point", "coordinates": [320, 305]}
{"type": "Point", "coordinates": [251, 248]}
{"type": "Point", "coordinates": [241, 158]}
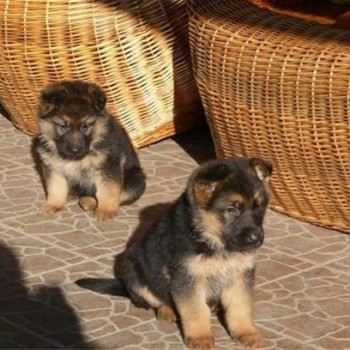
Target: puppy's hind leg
{"type": "Point", "coordinates": [108, 198]}
{"type": "Point", "coordinates": [143, 297]}
{"type": "Point", "coordinates": [166, 313]}
{"type": "Point", "coordinates": [134, 185]}
{"type": "Point", "coordinates": [88, 203]}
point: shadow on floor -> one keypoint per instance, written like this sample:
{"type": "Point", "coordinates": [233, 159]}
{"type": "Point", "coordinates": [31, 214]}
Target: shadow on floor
{"type": "Point", "coordinates": [34, 320]}
{"type": "Point", "coordinates": [148, 218]}
{"type": "Point", "coordinates": [198, 144]}
{"type": "Point", "coordinates": [4, 112]}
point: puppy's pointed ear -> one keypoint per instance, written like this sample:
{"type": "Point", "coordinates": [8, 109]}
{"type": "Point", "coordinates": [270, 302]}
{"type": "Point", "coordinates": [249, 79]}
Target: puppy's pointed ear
{"type": "Point", "coordinates": [97, 97]}
{"type": "Point", "coordinates": [208, 180]}
{"type": "Point", "coordinates": [51, 98]}
{"type": "Point", "coordinates": [261, 168]}
{"type": "Point", "coordinates": [203, 191]}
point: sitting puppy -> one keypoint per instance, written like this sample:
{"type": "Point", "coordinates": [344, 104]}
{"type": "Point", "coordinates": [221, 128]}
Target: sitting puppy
{"type": "Point", "coordinates": [85, 152]}
{"type": "Point", "coordinates": [201, 253]}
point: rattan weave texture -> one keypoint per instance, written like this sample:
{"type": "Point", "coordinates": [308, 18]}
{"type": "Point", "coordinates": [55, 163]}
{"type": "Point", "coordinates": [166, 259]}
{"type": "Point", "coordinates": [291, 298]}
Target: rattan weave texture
{"type": "Point", "coordinates": [136, 50]}
{"type": "Point", "coordinates": [278, 87]}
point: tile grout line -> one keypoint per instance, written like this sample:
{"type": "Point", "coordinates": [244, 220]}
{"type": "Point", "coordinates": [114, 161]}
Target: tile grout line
{"type": "Point", "coordinates": [54, 245]}
{"type": "Point", "coordinates": [297, 272]}
{"type": "Point", "coordinates": [285, 336]}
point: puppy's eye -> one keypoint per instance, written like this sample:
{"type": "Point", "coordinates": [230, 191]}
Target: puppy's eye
{"type": "Point", "coordinates": [231, 209]}
{"type": "Point", "coordinates": [62, 126]}
{"type": "Point", "coordinates": [235, 208]}
{"type": "Point", "coordinates": [85, 126]}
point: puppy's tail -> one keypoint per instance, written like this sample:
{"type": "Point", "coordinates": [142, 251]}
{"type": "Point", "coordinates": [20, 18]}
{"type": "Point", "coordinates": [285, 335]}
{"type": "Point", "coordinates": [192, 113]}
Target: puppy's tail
{"type": "Point", "coordinates": [110, 286]}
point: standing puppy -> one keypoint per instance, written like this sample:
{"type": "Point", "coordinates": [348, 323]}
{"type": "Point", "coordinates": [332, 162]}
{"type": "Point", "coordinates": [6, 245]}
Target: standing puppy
{"type": "Point", "coordinates": [85, 152]}
{"type": "Point", "coordinates": [201, 253]}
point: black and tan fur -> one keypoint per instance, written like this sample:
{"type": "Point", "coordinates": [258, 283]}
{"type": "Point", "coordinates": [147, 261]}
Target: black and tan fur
{"type": "Point", "coordinates": [85, 152]}
{"type": "Point", "coordinates": [201, 253]}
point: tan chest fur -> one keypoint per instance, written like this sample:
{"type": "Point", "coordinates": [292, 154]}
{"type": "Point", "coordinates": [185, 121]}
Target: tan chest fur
{"type": "Point", "coordinates": [215, 273]}
{"type": "Point", "coordinates": [84, 170]}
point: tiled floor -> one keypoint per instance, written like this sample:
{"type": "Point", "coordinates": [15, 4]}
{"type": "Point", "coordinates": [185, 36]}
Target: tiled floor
{"type": "Point", "coordinates": [303, 282]}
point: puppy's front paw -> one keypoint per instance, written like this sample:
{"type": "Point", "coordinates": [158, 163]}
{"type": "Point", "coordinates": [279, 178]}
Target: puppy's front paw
{"type": "Point", "coordinates": [102, 215]}
{"type": "Point", "coordinates": [48, 208]}
{"type": "Point", "coordinates": [166, 313]}
{"type": "Point", "coordinates": [252, 338]}
{"type": "Point", "coordinates": [202, 343]}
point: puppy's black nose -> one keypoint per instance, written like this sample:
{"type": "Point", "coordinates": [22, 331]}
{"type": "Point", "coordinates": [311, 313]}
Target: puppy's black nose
{"type": "Point", "coordinates": [76, 149]}
{"type": "Point", "coordinates": [254, 237]}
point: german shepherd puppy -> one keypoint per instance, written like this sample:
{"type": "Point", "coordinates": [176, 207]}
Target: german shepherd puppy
{"type": "Point", "coordinates": [201, 253]}
{"type": "Point", "coordinates": [85, 152]}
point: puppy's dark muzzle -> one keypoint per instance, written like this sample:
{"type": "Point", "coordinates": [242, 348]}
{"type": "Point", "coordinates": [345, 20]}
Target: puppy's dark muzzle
{"type": "Point", "coordinates": [73, 152]}
{"type": "Point", "coordinates": [73, 146]}
{"type": "Point", "coordinates": [251, 237]}
{"type": "Point", "coordinates": [76, 152]}
{"type": "Point", "coordinates": [247, 239]}
{"type": "Point", "coordinates": [254, 238]}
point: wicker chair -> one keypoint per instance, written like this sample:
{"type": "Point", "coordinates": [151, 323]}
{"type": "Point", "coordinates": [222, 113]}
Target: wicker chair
{"type": "Point", "coordinates": [137, 51]}
{"type": "Point", "coordinates": [279, 88]}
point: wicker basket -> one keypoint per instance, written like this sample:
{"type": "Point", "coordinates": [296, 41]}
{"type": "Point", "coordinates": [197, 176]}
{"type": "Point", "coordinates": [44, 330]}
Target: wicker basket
{"type": "Point", "coordinates": [137, 51]}
{"type": "Point", "coordinates": [278, 87]}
